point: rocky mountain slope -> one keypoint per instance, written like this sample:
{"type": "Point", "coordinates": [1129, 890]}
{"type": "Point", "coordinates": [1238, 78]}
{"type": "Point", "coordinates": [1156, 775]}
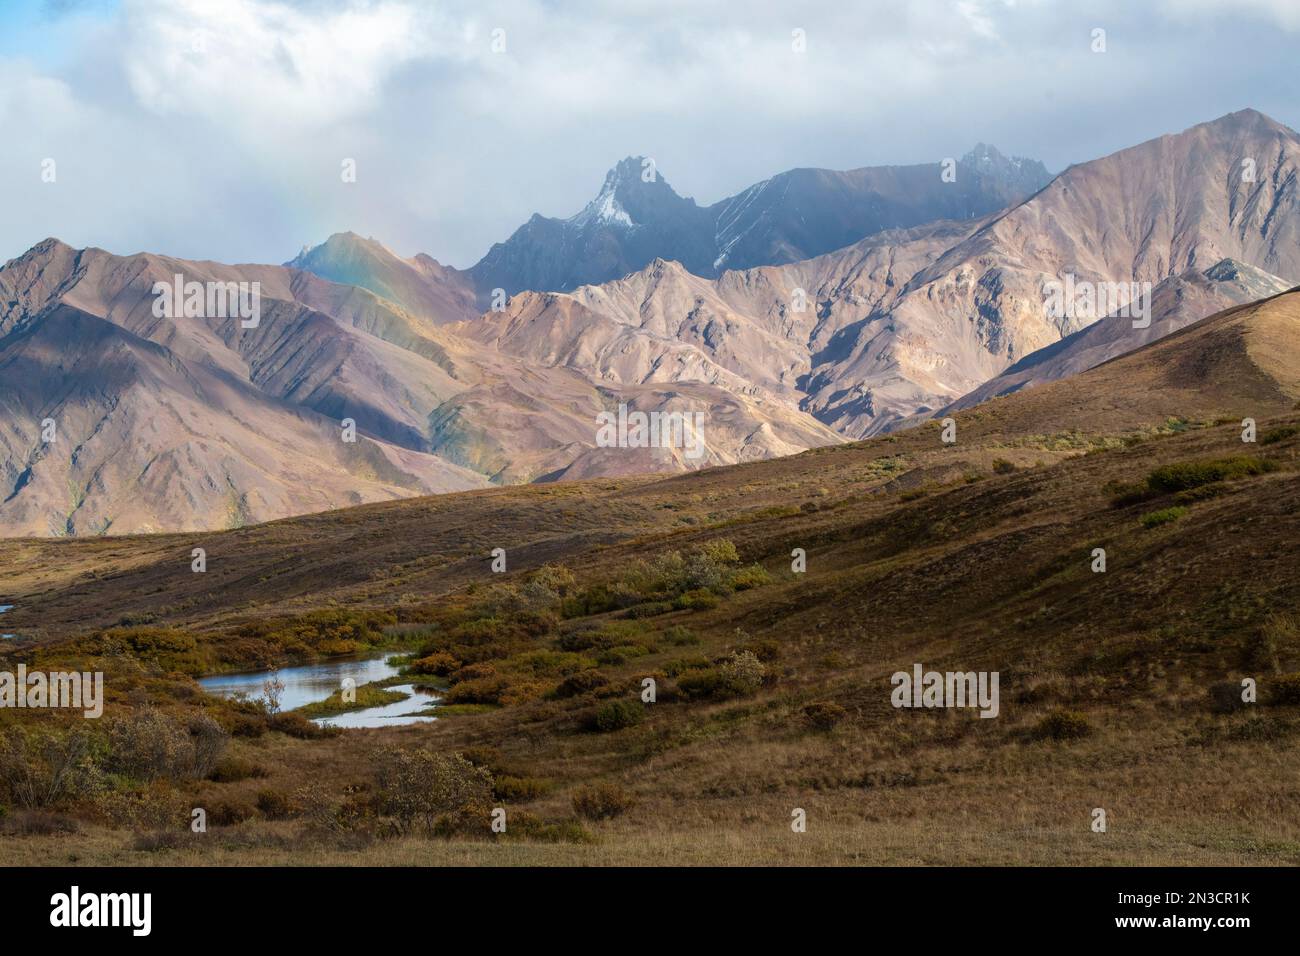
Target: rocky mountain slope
{"type": "Point", "coordinates": [199, 422]}
{"type": "Point", "coordinates": [1175, 302]}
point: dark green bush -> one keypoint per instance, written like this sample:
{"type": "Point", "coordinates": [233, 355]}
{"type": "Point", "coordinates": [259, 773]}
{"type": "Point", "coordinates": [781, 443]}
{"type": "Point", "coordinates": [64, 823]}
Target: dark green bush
{"type": "Point", "coordinates": [1182, 475]}
{"type": "Point", "coordinates": [1274, 435]}
{"type": "Point", "coordinates": [617, 714]}
{"type": "Point", "coordinates": [649, 609]}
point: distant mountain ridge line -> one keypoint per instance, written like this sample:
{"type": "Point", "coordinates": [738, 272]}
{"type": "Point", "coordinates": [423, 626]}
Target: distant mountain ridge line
{"type": "Point", "coordinates": [632, 221]}
{"type": "Point", "coordinates": [894, 328]}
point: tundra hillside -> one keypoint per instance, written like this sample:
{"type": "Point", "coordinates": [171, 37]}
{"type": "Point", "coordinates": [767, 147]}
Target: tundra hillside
{"type": "Point", "coordinates": [1121, 690]}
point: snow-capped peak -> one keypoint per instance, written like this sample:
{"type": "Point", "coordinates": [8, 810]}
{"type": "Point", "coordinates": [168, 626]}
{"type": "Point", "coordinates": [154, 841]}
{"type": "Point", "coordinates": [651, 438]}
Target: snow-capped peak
{"type": "Point", "coordinates": [606, 208]}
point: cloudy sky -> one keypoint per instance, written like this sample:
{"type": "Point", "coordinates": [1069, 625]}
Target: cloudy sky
{"type": "Point", "coordinates": [217, 128]}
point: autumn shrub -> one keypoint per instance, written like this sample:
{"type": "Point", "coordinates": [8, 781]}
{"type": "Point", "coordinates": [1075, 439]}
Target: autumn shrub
{"type": "Point", "coordinates": [168, 649]}
{"type": "Point", "coordinates": [42, 768]}
{"type": "Point", "coordinates": [155, 804]}
{"type": "Point", "coordinates": [743, 673]}
{"type": "Point", "coordinates": [36, 823]}
{"type": "Point", "coordinates": [602, 636]}
{"type": "Point", "coordinates": [530, 827]}
{"type": "Point", "coordinates": [275, 805]}
{"type": "Point", "coordinates": [1190, 496]}
{"type": "Point", "coordinates": [582, 682]}
{"type": "Point", "coordinates": [1123, 494]}
{"type": "Point", "coordinates": [766, 649]}
{"type": "Point", "coordinates": [549, 663]}
{"type": "Point", "coordinates": [701, 683]}
{"type": "Point", "coordinates": [420, 788]}
{"type": "Point", "coordinates": [481, 670]}
{"type": "Point", "coordinates": [295, 724]}
{"type": "Point", "coordinates": [740, 675]}
{"type": "Point", "coordinates": [521, 789]}
{"type": "Point", "coordinates": [555, 577]}
{"type": "Point", "coordinates": [522, 690]}
{"type": "Point", "coordinates": [326, 632]}
{"type": "Point", "coordinates": [483, 690]}
{"type": "Point", "coordinates": [150, 745]}
{"type": "Point", "coordinates": [439, 663]}
{"type": "Point", "coordinates": [208, 740]}
{"type": "Point", "coordinates": [754, 576]}
{"type": "Point", "coordinates": [824, 715]}
{"type": "Point", "coordinates": [602, 801]}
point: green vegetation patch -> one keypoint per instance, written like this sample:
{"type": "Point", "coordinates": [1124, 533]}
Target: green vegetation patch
{"type": "Point", "coordinates": [1153, 519]}
{"type": "Point", "coordinates": [1183, 475]}
{"type": "Point", "coordinates": [367, 695]}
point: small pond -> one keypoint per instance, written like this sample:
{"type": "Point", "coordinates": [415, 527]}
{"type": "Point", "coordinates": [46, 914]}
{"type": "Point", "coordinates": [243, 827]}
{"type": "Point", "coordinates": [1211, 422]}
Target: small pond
{"type": "Point", "coordinates": [310, 683]}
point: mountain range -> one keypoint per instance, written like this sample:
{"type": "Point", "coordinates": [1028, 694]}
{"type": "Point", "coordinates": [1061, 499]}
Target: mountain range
{"type": "Point", "coordinates": [637, 217]}
{"type": "Point", "coordinates": [810, 309]}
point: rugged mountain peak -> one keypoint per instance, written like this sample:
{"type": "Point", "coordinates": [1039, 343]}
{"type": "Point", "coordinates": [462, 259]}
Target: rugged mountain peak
{"type": "Point", "coordinates": [987, 161]}
{"type": "Point", "coordinates": [633, 194]}
{"type": "Point", "coordinates": [637, 217]}
{"type": "Point", "coordinates": [990, 158]}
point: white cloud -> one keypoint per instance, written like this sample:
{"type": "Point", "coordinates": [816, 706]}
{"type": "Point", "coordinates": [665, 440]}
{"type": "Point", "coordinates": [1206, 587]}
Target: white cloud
{"type": "Point", "coordinates": [232, 150]}
{"type": "Point", "coordinates": [1285, 13]}
{"type": "Point", "coordinates": [249, 63]}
